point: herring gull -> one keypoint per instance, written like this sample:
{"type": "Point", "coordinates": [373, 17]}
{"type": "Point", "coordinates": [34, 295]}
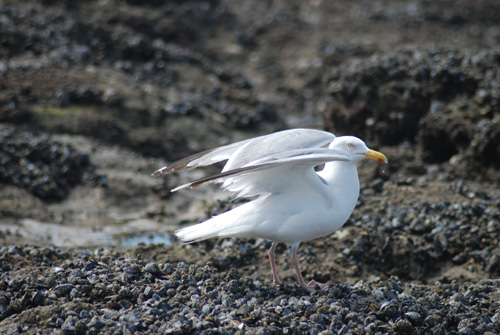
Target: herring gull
{"type": "Point", "coordinates": [290, 201]}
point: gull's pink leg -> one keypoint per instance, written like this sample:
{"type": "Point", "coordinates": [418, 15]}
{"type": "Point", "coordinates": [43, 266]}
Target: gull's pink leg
{"type": "Point", "coordinates": [272, 256]}
{"type": "Point", "coordinates": [312, 284]}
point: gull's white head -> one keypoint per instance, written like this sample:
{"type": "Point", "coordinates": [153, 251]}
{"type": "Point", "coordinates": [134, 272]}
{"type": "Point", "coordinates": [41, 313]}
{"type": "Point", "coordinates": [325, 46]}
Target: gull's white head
{"type": "Point", "coordinates": [356, 149]}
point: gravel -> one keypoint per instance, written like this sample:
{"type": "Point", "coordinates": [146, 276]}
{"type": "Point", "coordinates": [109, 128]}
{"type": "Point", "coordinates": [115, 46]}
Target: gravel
{"type": "Point", "coordinates": [103, 292]}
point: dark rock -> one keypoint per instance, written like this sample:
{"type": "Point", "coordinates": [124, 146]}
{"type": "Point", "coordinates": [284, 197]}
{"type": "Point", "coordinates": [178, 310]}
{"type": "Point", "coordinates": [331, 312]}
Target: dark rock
{"type": "Point", "coordinates": [48, 169]}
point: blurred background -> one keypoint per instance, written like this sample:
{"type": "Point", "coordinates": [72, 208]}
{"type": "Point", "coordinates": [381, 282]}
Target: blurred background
{"type": "Point", "coordinates": [96, 95]}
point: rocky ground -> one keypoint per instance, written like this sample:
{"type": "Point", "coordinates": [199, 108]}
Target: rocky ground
{"type": "Point", "coordinates": [96, 95]}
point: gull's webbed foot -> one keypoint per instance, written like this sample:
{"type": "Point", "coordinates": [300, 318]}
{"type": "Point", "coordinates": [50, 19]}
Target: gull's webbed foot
{"type": "Point", "coordinates": [311, 286]}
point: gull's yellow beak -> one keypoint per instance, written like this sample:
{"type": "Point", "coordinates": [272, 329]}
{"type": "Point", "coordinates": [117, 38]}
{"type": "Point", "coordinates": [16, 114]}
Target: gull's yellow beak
{"type": "Point", "coordinates": [375, 155]}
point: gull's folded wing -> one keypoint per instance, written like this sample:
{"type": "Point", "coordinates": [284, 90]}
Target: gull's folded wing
{"type": "Point", "coordinates": [308, 158]}
{"type": "Point", "coordinates": [275, 143]}
{"type": "Point", "coordinates": [241, 153]}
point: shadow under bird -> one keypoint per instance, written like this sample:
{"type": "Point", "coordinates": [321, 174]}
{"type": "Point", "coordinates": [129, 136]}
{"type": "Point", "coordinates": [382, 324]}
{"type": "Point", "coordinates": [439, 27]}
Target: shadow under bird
{"type": "Point", "coordinates": [290, 201]}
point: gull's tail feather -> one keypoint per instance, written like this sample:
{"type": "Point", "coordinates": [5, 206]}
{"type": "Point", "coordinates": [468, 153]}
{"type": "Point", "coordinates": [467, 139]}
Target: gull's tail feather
{"type": "Point", "coordinates": [224, 225]}
{"type": "Point", "coordinates": [198, 232]}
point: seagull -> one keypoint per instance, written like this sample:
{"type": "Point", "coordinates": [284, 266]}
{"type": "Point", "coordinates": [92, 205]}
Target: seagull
{"type": "Point", "coordinates": [289, 200]}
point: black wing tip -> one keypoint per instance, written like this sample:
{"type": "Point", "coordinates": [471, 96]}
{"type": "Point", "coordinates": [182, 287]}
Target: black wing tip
{"type": "Point", "coordinates": [185, 242]}
{"type": "Point", "coordinates": [181, 164]}
{"type": "Point", "coordinates": [168, 170]}
{"type": "Point", "coordinates": [157, 173]}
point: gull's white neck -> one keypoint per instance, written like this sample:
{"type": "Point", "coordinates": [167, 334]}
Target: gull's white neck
{"type": "Point", "coordinates": [343, 184]}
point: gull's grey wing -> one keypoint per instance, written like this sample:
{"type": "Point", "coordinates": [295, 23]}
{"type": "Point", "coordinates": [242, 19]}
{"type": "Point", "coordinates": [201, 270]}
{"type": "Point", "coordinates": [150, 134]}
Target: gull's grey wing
{"type": "Point", "coordinates": [272, 144]}
{"type": "Point", "coordinates": [241, 153]}
{"type": "Point", "coordinates": [308, 157]}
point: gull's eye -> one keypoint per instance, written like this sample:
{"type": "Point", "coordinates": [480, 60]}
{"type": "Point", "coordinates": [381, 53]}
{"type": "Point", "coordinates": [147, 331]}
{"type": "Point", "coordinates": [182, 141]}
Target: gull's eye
{"type": "Point", "coordinates": [350, 145]}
